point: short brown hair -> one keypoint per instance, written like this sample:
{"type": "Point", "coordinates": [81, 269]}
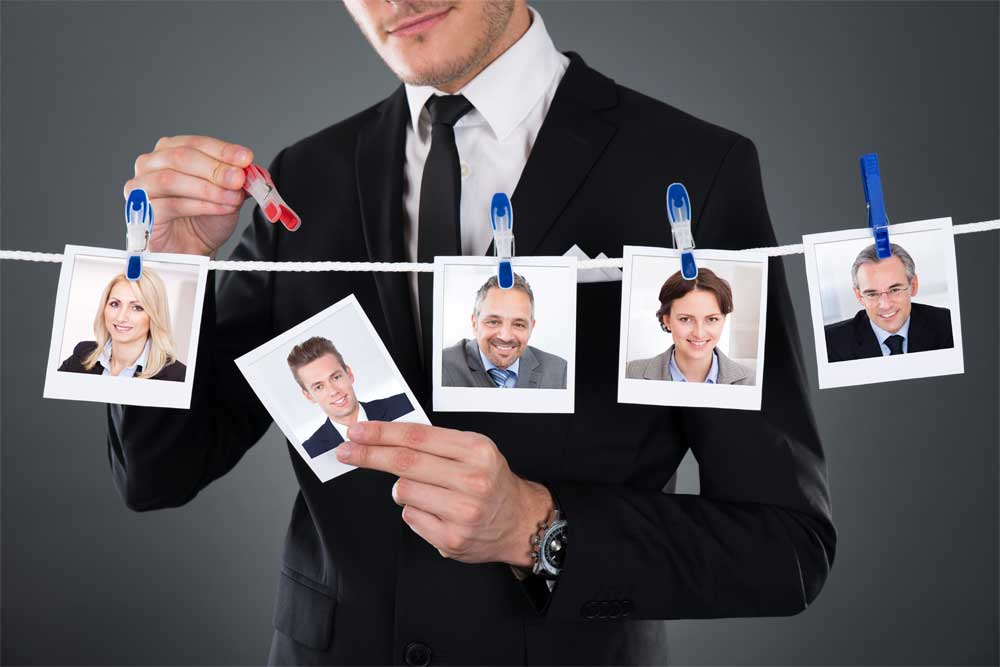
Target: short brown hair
{"type": "Point", "coordinates": [309, 351]}
{"type": "Point", "coordinates": [677, 287]}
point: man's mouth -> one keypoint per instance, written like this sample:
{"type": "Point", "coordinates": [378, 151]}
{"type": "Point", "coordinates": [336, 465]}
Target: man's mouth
{"type": "Point", "coordinates": [418, 24]}
{"type": "Point", "coordinates": [340, 402]}
{"type": "Point", "coordinates": [504, 347]}
{"type": "Point", "coordinates": [889, 315]}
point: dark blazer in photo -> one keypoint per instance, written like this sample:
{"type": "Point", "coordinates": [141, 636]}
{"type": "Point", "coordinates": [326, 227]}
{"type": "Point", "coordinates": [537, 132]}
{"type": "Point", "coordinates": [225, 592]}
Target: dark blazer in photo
{"type": "Point", "coordinates": [461, 366]}
{"type": "Point", "coordinates": [930, 329]}
{"type": "Point", "coordinates": [327, 436]}
{"type": "Point", "coordinates": [173, 371]}
{"type": "Point", "coordinates": [356, 584]}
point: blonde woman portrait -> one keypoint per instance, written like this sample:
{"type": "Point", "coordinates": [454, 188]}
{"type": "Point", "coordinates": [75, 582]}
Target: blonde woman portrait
{"type": "Point", "coordinates": [693, 312]}
{"type": "Point", "coordinates": [132, 331]}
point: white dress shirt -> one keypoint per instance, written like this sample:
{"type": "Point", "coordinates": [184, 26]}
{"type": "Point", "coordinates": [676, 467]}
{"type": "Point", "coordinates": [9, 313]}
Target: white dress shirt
{"type": "Point", "coordinates": [341, 429]}
{"type": "Point", "coordinates": [511, 97]}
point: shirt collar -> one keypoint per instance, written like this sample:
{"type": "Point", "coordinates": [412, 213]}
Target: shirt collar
{"type": "Point", "coordinates": [487, 364]}
{"type": "Point", "coordinates": [105, 358]}
{"type": "Point", "coordinates": [341, 429]}
{"type": "Point", "coordinates": [509, 87]}
{"type": "Point", "coordinates": [677, 376]}
{"type": "Point", "coordinates": [882, 334]}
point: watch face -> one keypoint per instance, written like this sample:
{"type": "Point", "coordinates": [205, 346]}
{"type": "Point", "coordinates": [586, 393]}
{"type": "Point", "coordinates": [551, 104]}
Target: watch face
{"type": "Point", "coordinates": [554, 549]}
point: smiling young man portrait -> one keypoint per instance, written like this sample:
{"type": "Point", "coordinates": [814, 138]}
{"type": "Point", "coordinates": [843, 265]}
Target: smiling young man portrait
{"type": "Point", "coordinates": [328, 382]}
{"type": "Point", "coordinates": [449, 542]}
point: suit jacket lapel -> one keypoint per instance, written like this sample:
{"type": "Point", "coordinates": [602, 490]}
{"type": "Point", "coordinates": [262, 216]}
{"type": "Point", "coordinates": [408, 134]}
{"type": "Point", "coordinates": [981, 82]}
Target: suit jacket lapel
{"type": "Point", "coordinates": [919, 332]}
{"type": "Point", "coordinates": [527, 371]}
{"type": "Point", "coordinates": [569, 142]}
{"type": "Point", "coordinates": [865, 339]}
{"type": "Point", "coordinates": [379, 165]}
{"type": "Point", "coordinates": [480, 377]}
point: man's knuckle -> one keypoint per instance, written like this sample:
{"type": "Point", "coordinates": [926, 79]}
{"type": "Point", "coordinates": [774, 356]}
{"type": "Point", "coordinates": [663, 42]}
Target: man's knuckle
{"type": "Point", "coordinates": [140, 163]}
{"type": "Point", "coordinates": [479, 484]}
{"type": "Point", "coordinates": [404, 460]}
{"type": "Point", "coordinates": [414, 435]}
{"type": "Point", "coordinates": [161, 142]}
{"type": "Point", "coordinates": [472, 513]}
{"type": "Point", "coordinates": [454, 543]}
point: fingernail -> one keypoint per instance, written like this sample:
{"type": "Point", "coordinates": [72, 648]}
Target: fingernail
{"type": "Point", "coordinates": [344, 451]}
{"type": "Point", "coordinates": [242, 155]}
{"type": "Point", "coordinates": [357, 431]}
{"type": "Point", "coordinates": [394, 491]}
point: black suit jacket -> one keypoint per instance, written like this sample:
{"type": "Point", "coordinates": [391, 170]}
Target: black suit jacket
{"type": "Point", "coordinates": [361, 589]}
{"type": "Point", "coordinates": [930, 329]}
{"type": "Point", "coordinates": [328, 437]}
{"type": "Point", "coordinates": [174, 371]}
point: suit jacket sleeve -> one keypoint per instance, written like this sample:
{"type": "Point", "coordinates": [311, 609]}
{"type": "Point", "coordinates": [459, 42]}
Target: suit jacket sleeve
{"type": "Point", "coordinates": [162, 457]}
{"type": "Point", "coordinates": [759, 540]}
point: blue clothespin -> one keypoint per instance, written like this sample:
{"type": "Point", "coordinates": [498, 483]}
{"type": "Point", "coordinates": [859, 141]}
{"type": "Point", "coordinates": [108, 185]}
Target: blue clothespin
{"type": "Point", "coordinates": [502, 220]}
{"type": "Point", "coordinates": [871, 178]}
{"type": "Point", "coordinates": [679, 212]}
{"type": "Point", "coordinates": [138, 228]}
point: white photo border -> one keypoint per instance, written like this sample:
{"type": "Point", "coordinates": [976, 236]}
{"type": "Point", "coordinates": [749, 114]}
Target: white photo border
{"type": "Point", "coordinates": [474, 399]}
{"type": "Point", "coordinates": [112, 389]}
{"type": "Point", "coordinates": [326, 466]}
{"type": "Point", "coordinates": [931, 363]}
{"type": "Point", "coordinates": [690, 394]}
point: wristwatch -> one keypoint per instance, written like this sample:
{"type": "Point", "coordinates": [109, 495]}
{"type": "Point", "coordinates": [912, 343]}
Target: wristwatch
{"type": "Point", "coordinates": [548, 547]}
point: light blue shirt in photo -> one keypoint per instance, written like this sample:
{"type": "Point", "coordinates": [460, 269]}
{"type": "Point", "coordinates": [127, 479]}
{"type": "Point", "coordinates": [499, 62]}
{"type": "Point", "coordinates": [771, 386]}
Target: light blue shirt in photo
{"type": "Point", "coordinates": [711, 378]}
{"type": "Point", "coordinates": [105, 360]}
{"type": "Point", "coordinates": [882, 334]}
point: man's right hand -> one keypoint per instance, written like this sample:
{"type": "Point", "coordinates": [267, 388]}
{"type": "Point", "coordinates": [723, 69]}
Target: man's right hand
{"type": "Point", "coordinates": [195, 185]}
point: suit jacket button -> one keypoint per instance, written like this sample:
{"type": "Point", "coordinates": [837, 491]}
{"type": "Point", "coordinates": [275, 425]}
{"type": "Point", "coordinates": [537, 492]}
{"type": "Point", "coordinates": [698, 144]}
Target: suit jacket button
{"type": "Point", "coordinates": [602, 610]}
{"type": "Point", "coordinates": [589, 609]}
{"type": "Point", "coordinates": [614, 609]}
{"type": "Point", "coordinates": [418, 654]}
{"type": "Point", "coordinates": [627, 607]}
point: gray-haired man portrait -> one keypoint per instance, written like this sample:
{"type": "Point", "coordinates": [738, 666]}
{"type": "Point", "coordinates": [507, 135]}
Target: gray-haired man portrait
{"type": "Point", "coordinates": [499, 355]}
{"type": "Point", "coordinates": [890, 322]}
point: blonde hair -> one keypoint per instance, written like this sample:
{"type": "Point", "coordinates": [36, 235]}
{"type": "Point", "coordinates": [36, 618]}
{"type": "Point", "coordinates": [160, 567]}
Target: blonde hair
{"type": "Point", "coordinates": [153, 295]}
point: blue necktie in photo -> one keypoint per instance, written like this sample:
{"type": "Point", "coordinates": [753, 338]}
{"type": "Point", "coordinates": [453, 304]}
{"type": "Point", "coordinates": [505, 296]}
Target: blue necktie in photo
{"type": "Point", "coordinates": [500, 377]}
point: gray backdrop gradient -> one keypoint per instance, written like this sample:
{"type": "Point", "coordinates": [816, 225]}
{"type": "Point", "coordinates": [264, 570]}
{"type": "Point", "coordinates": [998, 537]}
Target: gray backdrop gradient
{"type": "Point", "coordinates": [913, 473]}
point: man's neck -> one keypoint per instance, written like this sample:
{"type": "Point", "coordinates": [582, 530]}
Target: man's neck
{"type": "Point", "coordinates": [349, 420]}
{"type": "Point", "coordinates": [520, 21]}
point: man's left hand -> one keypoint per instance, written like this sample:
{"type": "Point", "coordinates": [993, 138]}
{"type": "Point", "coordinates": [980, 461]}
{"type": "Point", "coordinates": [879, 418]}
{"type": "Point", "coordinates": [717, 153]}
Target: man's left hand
{"type": "Point", "coordinates": [456, 489]}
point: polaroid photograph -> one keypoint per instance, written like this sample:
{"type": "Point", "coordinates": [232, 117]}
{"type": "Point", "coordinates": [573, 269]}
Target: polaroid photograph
{"type": "Point", "coordinates": [878, 320]}
{"type": "Point", "coordinates": [696, 343]}
{"type": "Point", "coordinates": [325, 374]}
{"type": "Point", "coordinates": [504, 350]}
{"type": "Point", "coordinates": [126, 342]}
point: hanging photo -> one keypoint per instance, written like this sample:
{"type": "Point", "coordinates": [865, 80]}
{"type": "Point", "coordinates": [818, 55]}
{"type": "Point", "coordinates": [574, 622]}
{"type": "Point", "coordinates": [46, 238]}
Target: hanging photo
{"type": "Point", "coordinates": [126, 342]}
{"type": "Point", "coordinates": [876, 320]}
{"type": "Point", "coordinates": [699, 342]}
{"type": "Point", "coordinates": [504, 349]}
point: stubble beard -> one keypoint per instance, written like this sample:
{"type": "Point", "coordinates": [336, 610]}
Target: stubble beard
{"type": "Point", "coordinates": [497, 15]}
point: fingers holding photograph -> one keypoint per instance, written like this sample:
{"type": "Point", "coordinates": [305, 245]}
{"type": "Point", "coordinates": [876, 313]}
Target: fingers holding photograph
{"type": "Point", "coordinates": [520, 338]}
{"type": "Point", "coordinates": [322, 376]}
{"type": "Point", "coordinates": [109, 332]}
{"type": "Point", "coordinates": [693, 342]}
{"type": "Point", "coordinates": [871, 314]}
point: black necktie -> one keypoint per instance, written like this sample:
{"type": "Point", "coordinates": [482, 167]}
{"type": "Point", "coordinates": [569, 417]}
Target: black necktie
{"type": "Point", "coordinates": [438, 230]}
{"type": "Point", "coordinates": [895, 344]}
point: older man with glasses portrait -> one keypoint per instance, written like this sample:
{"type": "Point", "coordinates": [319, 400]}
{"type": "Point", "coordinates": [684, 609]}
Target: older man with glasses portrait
{"type": "Point", "coordinates": [891, 323]}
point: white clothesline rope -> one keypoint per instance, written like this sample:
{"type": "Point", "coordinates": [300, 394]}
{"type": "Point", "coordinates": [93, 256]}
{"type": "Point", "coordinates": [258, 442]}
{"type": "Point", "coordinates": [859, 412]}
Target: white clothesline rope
{"type": "Point", "coordinates": [610, 263]}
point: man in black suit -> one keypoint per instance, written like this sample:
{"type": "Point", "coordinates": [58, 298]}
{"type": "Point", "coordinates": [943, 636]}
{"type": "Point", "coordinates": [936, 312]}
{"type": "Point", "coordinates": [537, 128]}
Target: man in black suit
{"type": "Point", "coordinates": [327, 381]}
{"type": "Point", "coordinates": [590, 160]}
{"type": "Point", "coordinates": [890, 323]}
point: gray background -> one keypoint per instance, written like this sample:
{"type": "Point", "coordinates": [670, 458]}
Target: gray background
{"type": "Point", "coordinates": [87, 87]}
